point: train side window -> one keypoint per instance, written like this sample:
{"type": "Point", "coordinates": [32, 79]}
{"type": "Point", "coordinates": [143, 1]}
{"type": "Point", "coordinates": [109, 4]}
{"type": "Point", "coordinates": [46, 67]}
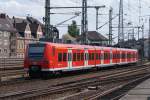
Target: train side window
{"type": "Point", "coordinates": [86, 56]}
{"type": "Point", "coordinates": [82, 56]}
{"type": "Point", "coordinates": [78, 56]}
{"type": "Point", "coordinates": [69, 57]}
{"type": "Point", "coordinates": [92, 56]}
{"type": "Point", "coordinates": [105, 56]}
{"type": "Point", "coordinates": [74, 57]}
{"type": "Point", "coordinates": [97, 56]}
{"type": "Point", "coordinates": [111, 55]}
{"type": "Point", "coordinates": [65, 57]}
{"type": "Point", "coordinates": [60, 57]}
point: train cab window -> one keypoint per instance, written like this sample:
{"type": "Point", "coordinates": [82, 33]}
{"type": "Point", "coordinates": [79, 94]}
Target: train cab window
{"type": "Point", "coordinates": [78, 56]}
{"type": "Point", "coordinates": [65, 57]}
{"type": "Point", "coordinates": [74, 57]}
{"type": "Point", "coordinates": [60, 57]}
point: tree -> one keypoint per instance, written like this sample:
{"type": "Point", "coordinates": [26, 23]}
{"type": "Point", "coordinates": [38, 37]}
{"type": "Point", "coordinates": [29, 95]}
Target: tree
{"type": "Point", "coordinates": [73, 30]}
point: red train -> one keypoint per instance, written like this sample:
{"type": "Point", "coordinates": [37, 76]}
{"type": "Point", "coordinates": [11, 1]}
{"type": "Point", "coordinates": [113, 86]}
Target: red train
{"type": "Point", "coordinates": [43, 58]}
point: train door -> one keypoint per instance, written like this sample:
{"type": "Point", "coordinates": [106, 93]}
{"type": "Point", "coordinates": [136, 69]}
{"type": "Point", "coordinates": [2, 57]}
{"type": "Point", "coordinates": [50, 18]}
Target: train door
{"type": "Point", "coordinates": [102, 56]}
{"type": "Point", "coordinates": [86, 58]}
{"type": "Point", "coordinates": [111, 56]}
{"type": "Point", "coordinates": [69, 58]}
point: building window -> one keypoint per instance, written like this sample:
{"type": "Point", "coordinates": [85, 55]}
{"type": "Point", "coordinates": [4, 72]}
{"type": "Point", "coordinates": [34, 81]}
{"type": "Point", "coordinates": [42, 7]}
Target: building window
{"type": "Point", "coordinates": [5, 42]}
{"type": "Point", "coordinates": [6, 34]}
{"type": "Point", "coordinates": [5, 50]}
{"type": "Point", "coordinates": [1, 33]}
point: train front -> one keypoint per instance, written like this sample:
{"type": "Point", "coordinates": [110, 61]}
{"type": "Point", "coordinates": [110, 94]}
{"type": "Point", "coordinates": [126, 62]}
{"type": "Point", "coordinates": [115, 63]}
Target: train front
{"type": "Point", "coordinates": [36, 59]}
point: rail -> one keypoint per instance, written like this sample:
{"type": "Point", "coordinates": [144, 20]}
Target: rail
{"type": "Point", "coordinates": [36, 92]}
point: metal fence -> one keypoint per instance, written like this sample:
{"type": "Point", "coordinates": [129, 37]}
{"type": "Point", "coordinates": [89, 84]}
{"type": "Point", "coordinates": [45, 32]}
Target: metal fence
{"type": "Point", "coordinates": [11, 63]}
{"type": "Point", "coordinates": [10, 68]}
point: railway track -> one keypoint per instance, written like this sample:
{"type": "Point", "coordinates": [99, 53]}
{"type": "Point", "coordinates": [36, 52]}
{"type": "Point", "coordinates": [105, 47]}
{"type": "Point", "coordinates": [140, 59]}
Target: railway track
{"type": "Point", "coordinates": [80, 86]}
{"type": "Point", "coordinates": [25, 78]}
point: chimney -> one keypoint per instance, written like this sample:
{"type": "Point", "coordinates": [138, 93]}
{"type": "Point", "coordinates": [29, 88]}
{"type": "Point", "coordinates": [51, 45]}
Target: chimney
{"type": "Point", "coordinates": [2, 15]}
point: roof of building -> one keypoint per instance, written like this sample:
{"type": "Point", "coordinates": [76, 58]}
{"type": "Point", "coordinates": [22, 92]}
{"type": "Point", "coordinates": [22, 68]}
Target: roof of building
{"type": "Point", "coordinates": [6, 24]}
{"type": "Point", "coordinates": [29, 20]}
{"type": "Point", "coordinates": [68, 37]}
{"type": "Point", "coordinates": [21, 27]}
{"type": "Point", "coordinates": [94, 36]}
{"type": "Point", "coordinates": [34, 28]}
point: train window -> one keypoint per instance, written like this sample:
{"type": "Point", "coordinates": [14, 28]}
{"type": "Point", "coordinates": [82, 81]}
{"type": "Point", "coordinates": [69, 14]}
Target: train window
{"type": "Point", "coordinates": [86, 56]}
{"type": "Point", "coordinates": [74, 57]}
{"type": "Point", "coordinates": [69, 57]}
{"type": "Point", "coordinates": [111, 55]}
{"type": "Point", "coordinates": [60, 57]}
{"type": "Point", "coordinates": [102, 56]}
{"type": "Point", "coordinates": [128, 55]}
{"type": "Point", "coordinates": [78, 56]}
{"type": "Point", "coordinates": [97, 57]}
{"type": "Point", "coordinates": [123, 56]}
{"type": "Point", "coordinates": [65, 57]}
{"type": "Point", "coordinates": [106, 56]}
{"type": "Point", "coordinates": [114, 55]}
{"type": "Point", "coordinates": [53, 51]}
{"type": "Point", "coordinates": [92, 56]}
{"type": "Point", "coordinates": [82, 56]}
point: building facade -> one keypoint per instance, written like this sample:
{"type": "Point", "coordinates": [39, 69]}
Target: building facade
{"type": "Point", "coordinates": [7, 37]}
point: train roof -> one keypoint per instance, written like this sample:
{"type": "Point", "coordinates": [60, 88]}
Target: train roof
{"type": "Point", "coordinates": [83, 46]}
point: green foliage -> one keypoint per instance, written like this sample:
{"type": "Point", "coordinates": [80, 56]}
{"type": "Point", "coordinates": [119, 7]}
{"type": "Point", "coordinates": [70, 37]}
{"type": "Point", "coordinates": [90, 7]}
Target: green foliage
{"type": "Point", "coordinates": [73, 30]}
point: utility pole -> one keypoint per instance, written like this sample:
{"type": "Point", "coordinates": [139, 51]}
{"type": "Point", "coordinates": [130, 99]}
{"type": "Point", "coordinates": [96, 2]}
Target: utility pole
{"type": "Point", "coordinates": [140, 7]}
{"type": "Point", "coordinates": [48, 34]}
{"type": "Point", "coordinates": [138, 33]}
{"type": "Point", "coordinates": [142, 44]}
{"type": "Point", "coordinates": [133, 34]}
{"type": "Point", "coordinates": [120, 25]}
{"type": "Point", "coordinates": [149, 42]}
{"type": "Point", "coordinates": [84, 22]}
{"type": "Point", "coordinates": [97, 9]}
{"type": "Point", "coordinates": [110, 26]}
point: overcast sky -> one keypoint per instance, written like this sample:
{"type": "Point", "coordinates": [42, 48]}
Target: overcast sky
{"type": "Point", "coordinates": [35, 8]}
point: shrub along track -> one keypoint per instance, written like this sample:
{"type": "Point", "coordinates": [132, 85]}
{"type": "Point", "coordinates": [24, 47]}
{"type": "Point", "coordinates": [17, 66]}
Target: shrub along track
{"type": "Point", "coordinates": [75, 86]}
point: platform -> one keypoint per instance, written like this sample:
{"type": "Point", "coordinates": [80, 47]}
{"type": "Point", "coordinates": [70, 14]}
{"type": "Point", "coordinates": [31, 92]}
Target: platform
{"type": "Point", "coordinates": [140, 92]}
